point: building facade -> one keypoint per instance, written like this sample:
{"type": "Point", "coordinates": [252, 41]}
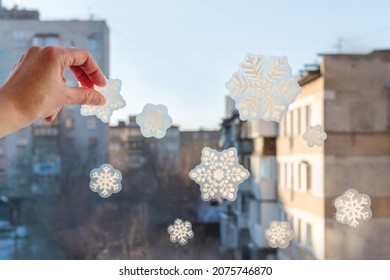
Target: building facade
{"type": "Point", "coordinates": [349, 96]}
{"type": "Point", "coordinates": [244, 220]}
{"type": "Point", "coordinates": [45, 156]}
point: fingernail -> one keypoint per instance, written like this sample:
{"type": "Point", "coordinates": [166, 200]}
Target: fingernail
{"type": "Point", "coordinates": [101, 100]}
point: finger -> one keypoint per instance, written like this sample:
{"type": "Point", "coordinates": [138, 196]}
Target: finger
{"type": "Point", "coordinates": [83, 66]}
{"type": "Point", "coordinates": [82, 78]}
{"type": "Point", "coordinates": [85, 96]}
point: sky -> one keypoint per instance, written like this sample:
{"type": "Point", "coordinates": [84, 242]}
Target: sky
{"type": "Point", "coordinates": [180, 53]}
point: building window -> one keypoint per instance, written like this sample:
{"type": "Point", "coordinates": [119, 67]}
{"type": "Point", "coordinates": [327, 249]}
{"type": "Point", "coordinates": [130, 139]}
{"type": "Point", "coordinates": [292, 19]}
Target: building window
{"type": "Point", "coordinates": [308, 112]}
{"type": "Point", "coordinates": [92, 43]}
{"type": "Point", "coordinates": [91, 123]}
{"type": "Point", "coordinates": [92, 142]}
{"type": "Point", "coordinates": [299, 129]}
{"type": "Point", "coordinates": [44, 40]}
{"type": "Point", "coordinates": [298, 231]}
{"type": "Point", "coordinates": [285, 175]}
{"type": "Point", "coordinates": [69, 123]}
{"type": "Point", "coordinates": [304, 176]}
{"type": "Point", "coordinates": [309, 242]}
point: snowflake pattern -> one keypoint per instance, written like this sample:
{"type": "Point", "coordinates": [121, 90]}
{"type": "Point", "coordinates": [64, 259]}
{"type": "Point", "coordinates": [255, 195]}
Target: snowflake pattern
{"type": "Point", "coordinates": [219, 174]}
{"type": "Point", "coordinates": [114, 101]}
{"type": "Point", "coordinates": [314, 135]}
{"type": "Point", "coordinates": [353, 208]}
{"type": "Point", "coordinates": [263, 88]}
{"type": "Point", "coordinates": [180, 232]}
{"type": "Point", "coordinates": [154, 121]}
{"type": "Point", "coordinates": [105, 180]}
{"type": "Point", "coordinates": [279, 234]}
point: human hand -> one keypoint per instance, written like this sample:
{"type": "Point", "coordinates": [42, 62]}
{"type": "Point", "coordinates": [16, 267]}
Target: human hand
{"type": "Point", "coordinates": [37, 88]}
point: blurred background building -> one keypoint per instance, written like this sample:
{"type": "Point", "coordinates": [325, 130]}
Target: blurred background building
{"type": "Point", "coordinates": [348, 94]}
{"type": "Point", "coordinates": [40, 159]}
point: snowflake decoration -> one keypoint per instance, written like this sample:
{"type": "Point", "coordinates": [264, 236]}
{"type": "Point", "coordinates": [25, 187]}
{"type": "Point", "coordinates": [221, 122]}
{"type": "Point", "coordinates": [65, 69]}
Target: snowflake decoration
{"type": "Point", "coordinates": [314, 135]}
{"type": "Point", "coordinates": [219, 174]}
{"type": "Point", "coordinates": [263, 88]}
{"type": "Point", "coordinates": [114, 101]}
{"type": "Point", "coordinates": [353, 208]}
{"type": "Point", "coordinates": [105, 180]}
{"type": "Point", "coordinates": [154, 121]}
{"type": "Point", "coordinates": [279, 234]}
{"type": "Point", "coordinates": [180, 232]}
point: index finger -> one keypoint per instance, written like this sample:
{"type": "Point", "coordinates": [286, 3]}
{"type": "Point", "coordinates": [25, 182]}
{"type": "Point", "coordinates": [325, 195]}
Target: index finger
{"type": "Point", "coordinates": [83, 66]}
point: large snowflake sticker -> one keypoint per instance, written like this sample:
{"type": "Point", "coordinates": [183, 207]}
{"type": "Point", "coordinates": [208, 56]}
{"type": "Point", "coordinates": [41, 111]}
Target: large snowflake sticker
{"type": "Point", "coordinates": [180, 232]}
{"type": "Point", "coordinates": [263, 88]}
{"type": "Point", "coordinates": [314, 135]}
{"type": "Point", "coordinates": [219, 174]}
{"type": "Point", "coordinates": [353, 208]}
{"type": "Point", "coordinates": [279, 234]}
{"type": "Point", "coordinates": [114, 101]}
{"type": "Point", "coordinates": [154, 121]}
{"type": "Point", "coordinates": [105, 180]}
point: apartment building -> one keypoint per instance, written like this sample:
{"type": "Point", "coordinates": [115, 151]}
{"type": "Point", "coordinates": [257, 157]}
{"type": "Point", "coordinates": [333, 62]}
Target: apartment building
{"type": "Point", "coordinates": [349, 95]}
{"type": "Point", "coordinates": [244, 220]}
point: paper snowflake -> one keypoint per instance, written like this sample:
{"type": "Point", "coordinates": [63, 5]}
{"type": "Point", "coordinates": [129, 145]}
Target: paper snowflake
{"type": "Point", "coordinates": [263, 88]}
{"type": "Point", "coordinates": [180, 232]}
{"type": "Point", "coordinates": [219, 174]}
{"type": "Point", "coordinates": [154, 121]}
{"type": "Point", "coordinates": [314, 135]}
{"type": "Point", "coordinates": [105, 180]}
{"type": "Point", "coordinates": [353, 208]}
{"type": "Point", "coordinates": [279, 234]}
{"type": "Point", "coordinates": [114, 101]}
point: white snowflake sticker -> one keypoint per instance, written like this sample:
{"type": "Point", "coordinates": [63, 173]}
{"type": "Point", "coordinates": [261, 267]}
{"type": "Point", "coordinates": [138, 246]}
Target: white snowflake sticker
{"type": "Point", "coordinates": [353, 208]}
{"type": "Point", "coordinates": [279, 234]}
{"type": "Point", "coordinates": [114, 101]}
{"type": "Point", "coordinates": [154, 121]}
{"type": "Point", "coordinates": [180, 232]}
{"type": "Point", "coordinates": [314, 135]}
{"type": "Point", "coordinates": [219, 174]}
{"type": "Point", "coordinates": [105, 180]}
{"type": "Point", "coordinates": [263, 88]}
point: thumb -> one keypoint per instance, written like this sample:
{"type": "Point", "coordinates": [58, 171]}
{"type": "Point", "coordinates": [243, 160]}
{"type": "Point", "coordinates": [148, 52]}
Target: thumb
{"type": "Point", "coordinates": [85, 96]}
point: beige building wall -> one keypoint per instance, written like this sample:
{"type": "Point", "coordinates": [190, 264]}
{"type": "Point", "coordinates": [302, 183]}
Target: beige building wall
{"type": "Point", "coordinates": [358, 150]}
{"type": "Point", "coordinates": [301, 175]}
{"type": "Point", "coordinates": [349, 97]}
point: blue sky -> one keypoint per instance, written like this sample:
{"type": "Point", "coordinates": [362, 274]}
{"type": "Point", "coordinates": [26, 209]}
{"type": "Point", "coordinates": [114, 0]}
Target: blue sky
{"type": "Point", "coordinates": [181, 52]}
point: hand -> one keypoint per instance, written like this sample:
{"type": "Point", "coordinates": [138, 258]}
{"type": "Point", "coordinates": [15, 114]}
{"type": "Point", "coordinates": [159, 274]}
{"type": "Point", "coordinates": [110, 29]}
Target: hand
{"type": "Point", "coordinates": [37, 88]}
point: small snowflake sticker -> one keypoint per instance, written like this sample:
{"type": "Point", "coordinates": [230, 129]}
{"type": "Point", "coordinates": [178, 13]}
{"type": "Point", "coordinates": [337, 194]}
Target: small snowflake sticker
{"type": "Point", "coordinates": [105, 180]}
{"type": "Point", "coordinates": [279, 234]}
{"type": "Point", "coordinates": [180, 232]}
{"type": "Point", "coordinates": [353, 208]}
{"type": "Point", "coordinates": [314, 135]}
{"type": "Point", "coordinates": [114, 101]}
{"type": "Point", "coordinates": [263, 88]}
{"type": "Point", "coordinates": [154, 121]}
{"type": "Point", "coordinates": [219, 174]}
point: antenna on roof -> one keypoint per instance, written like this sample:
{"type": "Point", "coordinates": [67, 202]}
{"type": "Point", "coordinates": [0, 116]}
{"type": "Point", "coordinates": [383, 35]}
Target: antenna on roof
{"type": "Point", "coordinates": [339, 45]}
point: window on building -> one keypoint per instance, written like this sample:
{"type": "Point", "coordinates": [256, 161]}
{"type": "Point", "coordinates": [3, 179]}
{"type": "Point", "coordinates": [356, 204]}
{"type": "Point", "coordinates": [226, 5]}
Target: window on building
{"type": "Point", "coordinates": [69, 123]}
{"type": "Point", "coordinates": [285, 175]}
{"type": "Point", "coordinates": [298, 231]}
{"type": "Point", "coordinates": [45, 40]}
{"type": "Point", "coordinates": [91, 123]}
{"type": "Point", "coordinates": [309, 242]}
{"type": "Point", "coordinates": [308, 113]}
{"type": "Point", "coordinates": [92, 42]}
{"type": "Point", "coordinates": [304, 176]}
{"type": "Point", "coordinates": [92, 142]}
{"type": "Point", "coordinates": [299, 129]}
